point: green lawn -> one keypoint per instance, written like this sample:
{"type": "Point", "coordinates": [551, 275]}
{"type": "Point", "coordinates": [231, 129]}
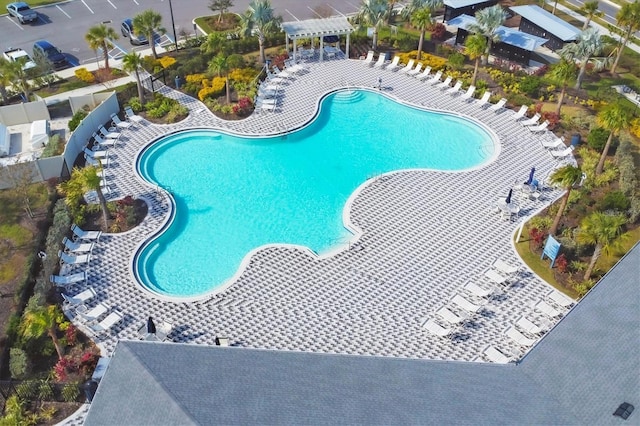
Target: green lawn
{"type": "Point", "coordinates": [32, 3]}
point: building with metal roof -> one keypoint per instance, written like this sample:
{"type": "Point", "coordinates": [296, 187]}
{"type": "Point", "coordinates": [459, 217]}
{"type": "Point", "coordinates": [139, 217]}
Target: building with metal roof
{"type": "Point", "coordinates": [537, 21]}
{"type": "Point", "coordinates": [514, 45]}
{"type": "Point", "coordinates": [582, 372]}
{"type": "Point", "coordinates": [317, 28]}
{"type": "Point", "coordinates": [454, 8]}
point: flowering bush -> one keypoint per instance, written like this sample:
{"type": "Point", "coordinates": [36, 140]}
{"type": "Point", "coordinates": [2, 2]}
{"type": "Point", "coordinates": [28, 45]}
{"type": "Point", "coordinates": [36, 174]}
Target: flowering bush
{"type": "Point", "coordinates": [243, 107]}
{"type": "Point", "coordinates": [78, 364]}
{"type": "Point", "coordinates": [438, 32]}
{"type": "Point", "coordinates": [435, 62]}
{"type": "Point", "coordinates": [84, 75]}
{"type": "Point", "coordinates": [214, 90]}
{"type": "Point", "coordinates": [242, 75]}
{"type": "Point", "coordinates": [166, 61]}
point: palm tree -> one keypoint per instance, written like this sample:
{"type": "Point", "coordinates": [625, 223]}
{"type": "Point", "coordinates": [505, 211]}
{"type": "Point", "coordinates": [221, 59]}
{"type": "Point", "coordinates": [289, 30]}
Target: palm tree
{"type": "Point", "coordinates": [132, 62]}
{"type": "Point", "coordinates": [566, 176]}
{"type": "Point", "coordinates": [149, 23]}
{"type": "Point", "coordinates": [220, 5]}
{"type": "Point", "coordinates": [488, 21]}
{"type": "Point", "coordinates": [605, 232]}
{"type": "Point", "coordinates": [590, 8]}
{"type": "Point", "coordinates": [474, 46]}
{"type": "Point", "coordinates": [563, 73]}
{"type": "Point", "coordinates": [421, 20]}
{"type": "Point", "coordinates": [259, 19]}
{"type": "Point", "coordinates": [372, 13]}
{"type": "Point", "coordinates": [588, 44]}
{"type": "Point", "coordinates": [81, 181]}
{"type": "Point", "coordinates": [555, 5]}
{"type": "Point", "coordinates": [220, 65]}
{"type": "Point", "coordinates": [414, 5]}
{"type": "Point", "coordinates": [16, 74]}
{"type": "Point", "coordinates": [5, 79]}
{"type": "Point", "coordinates": [100, 37]}
{"type": "Point", "coordinates": [40, 320]}
{"type": "Point", "coordinates": [628, 18]}
{"type": "Point", "coordinates": [613, 118]}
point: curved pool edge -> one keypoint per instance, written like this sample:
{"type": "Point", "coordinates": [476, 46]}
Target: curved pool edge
{"type": "Point", "coordinates": [346, 214]}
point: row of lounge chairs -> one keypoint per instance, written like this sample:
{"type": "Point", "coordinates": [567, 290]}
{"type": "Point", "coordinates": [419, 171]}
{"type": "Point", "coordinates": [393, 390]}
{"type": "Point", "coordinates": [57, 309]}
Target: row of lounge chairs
{"type": "Point", "coordinates": [269, 89]}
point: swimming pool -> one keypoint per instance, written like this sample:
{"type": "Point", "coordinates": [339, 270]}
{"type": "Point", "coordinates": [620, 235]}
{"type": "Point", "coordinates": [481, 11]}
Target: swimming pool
{"type": "Point", "coordinates": [234, 194]}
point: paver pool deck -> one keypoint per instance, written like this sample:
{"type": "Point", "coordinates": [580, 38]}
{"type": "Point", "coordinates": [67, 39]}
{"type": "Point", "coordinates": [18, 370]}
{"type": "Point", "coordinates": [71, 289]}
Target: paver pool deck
{"type": "Point", "coordinates": [425, 234]}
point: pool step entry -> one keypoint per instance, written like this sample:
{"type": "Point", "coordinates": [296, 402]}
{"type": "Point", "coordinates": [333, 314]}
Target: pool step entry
{"type": "Point", "coordinates": [347, 96]}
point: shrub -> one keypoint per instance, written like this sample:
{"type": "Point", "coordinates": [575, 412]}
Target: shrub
{"type": "Point", "coordinates": [135, 104]}
{"type": "Point", "coordinates": [243, 107]}
{"type": "Point", "coordinates": [456, 60]}
{"type": "Point", "coordinates": [77, 119]}
{"type": "Point", "coordinates": [53, 147]}
{"type": "Point", "coordinates": [597, 138]}
{"type": "Point", "coordinates": [615, 200]}
{"type": "Point", "coordinates": [166, 61]}
{"type": "Point", "coordinates": [70, 392]}
{"type": "Point", "coordinates": [216, 89]}
{"type": "Point", "coordinates": [242, 75]}
{"type": "Point", "coordinates": [85, 75]}
{"type": "Point", "coordinates": [438, 32]}
{"type": "Point", "coordinates": [530, 86]}
{"type": "Point", "coordinates": [19, 364]}
{"type": "Point", "coordinates": [435, 62]}
{"type": "Point", "coordinates": [176, 113]}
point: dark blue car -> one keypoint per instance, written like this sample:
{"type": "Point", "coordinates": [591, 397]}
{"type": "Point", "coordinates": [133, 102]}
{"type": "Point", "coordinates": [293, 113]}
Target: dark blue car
{"type": "Point", "coordinates": [45, 52]}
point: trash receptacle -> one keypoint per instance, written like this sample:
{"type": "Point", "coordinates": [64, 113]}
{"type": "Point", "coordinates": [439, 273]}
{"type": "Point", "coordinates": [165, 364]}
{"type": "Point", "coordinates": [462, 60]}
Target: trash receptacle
{"type": "Point", "coordinates": [90, 388]}
{"type": "Point", "coordinates": [178, 82]}
{"type": "Point", "coordinates": [575, 139]}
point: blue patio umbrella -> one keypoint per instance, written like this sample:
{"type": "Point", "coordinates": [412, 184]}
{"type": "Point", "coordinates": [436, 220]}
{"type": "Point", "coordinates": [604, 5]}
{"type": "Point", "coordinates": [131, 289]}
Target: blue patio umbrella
{"type": "Point", "coordinates": [508, 199]}
{"type": "Point", "coordinates": [530, 181]}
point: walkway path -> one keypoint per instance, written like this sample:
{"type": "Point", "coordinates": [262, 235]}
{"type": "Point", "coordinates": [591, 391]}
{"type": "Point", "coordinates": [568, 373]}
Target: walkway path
{"type": "Point", "coordinates": [415, 254]}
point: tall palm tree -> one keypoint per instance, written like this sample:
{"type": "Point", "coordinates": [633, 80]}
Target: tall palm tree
{"type": "Point", "coordinates": [131, 63]}
{"type": "Point", "coordinates": [590, 8]}
{"type": "Point", "coordinates": [488, 21]}
{"type": "Point", "coordinates": [149, 23]}
{"type": "Point", "coordinates": [613, 118]}
{"type": "Point", "coordinates": [605, 232]}
{"type": "Point", "coordinates": [40, 320]}
{"type": "Point", "coordinates": [475, 46]}
{"type": "Point", "coordinates": [373, 13]}
{"type": "Point", "coordinates": [260, 20]}
{"type": "Point", "coordinates": [628, 18]}
{"type": "Point", "coordinates": [220, 65]}
{"type": "Point", "coordinates": [421, 20]}
{"type": "Point", "coordinates": [81, 181]}
{"type": "Point", "coordinates": [555, 5]}
{"type": "Point", "coordinates": [563, 73]}
{"type": "Point", "coordinates": [414, 5]}
{"type": "Point", "coordinates": [567, 177]}
{"type": "Point", "coordinates": [588, 44]}
{"type": "Point", "coordinates": [100, 37]}
{"type": "Point", "coordinates": [16, 74]}
{"type": "Point", "coordinates": [5, 79]}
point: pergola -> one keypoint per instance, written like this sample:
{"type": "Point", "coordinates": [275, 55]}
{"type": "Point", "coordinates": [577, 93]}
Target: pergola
{"type": "Point", "coordinates": [311, 28]}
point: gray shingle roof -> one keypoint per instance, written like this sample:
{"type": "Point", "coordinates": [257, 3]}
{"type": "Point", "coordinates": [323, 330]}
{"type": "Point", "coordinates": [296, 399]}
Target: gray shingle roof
{"type": "Point", "coordinates": [545, 20]}
{"type": "Point", "coordinates": [507, 35]}
{"type": "Point", "coordinates": [578, 374]}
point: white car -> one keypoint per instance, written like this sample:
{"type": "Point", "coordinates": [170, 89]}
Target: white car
{"type": "Point", "coordinates": [15, 55]}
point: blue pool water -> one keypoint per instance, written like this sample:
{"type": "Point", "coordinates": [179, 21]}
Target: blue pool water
{"type": "Point", "coordinates": [235, 194]}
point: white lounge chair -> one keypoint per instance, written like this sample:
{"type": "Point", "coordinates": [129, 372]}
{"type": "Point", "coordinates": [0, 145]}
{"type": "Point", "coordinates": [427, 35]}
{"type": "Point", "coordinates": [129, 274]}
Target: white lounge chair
{"type": "Point", "coordinates": [96, 162]}
{"type": "Point", "coordinates": [132, 116]}
{"type": "Point", "coordinates": [519, 338]}
{"type": "Point", "coordinates": [424, 74]}
{"type": "Point", "coordinates": [436, 78]}
{"type": "Point", "coordinates": [283, 73]}
{"type": "Point", "coordinates": [437, 329]}
{"type": "Point", "coordinates": [505, 267]}
{"type": "Point", "coordinates": [80, 234]}
{"type": "Point", "coordinates": [394, 64]}
{"type": "Point", "coordinates": [408, 67]}
{"type": "Point", "coordinates": [484, 99]}
{"type": "Point", "coordinates": [499, 105]}
{"type": "Point", "coordinates": [92, 314]}
{"type": "Point", "coordinates": [495, 355]}
{"type": "Point", "coordinates": [445, 83]}
{"type": "Point", "coordinates": [65, 280]}
{"type": "Point", "coordinates": [495, 277]}
{"type": "Point", "coordinates": [451, 317]}
{"type": "Point", "coordinates": [103, 143]}
{"type": "Point", "coordinates": [465, 304]}
{"type": "Point", "coordinates": [80, 298]}
{"type": "Point", "coordinates": [560, 299]}
{"type": "Point", "coordinates": [526, 325]}
{"type": "Point", "coordinates": [476, 290]}
{"type": "Point", "coordinates": [77, 246]}
{"type": "Point", "coordinates": [381, 60]}
{"type": "Point", "coordinates": [533, 121]}
{"type": "Point", "coordinates": [521, 113]}
{"type": "Point", "coordinates": [109, 322]}
{"type": "Point", "coordinates": [68, 259]}
{"type": "Point", "coordinates": [469, 93]}
{"type": "Point", "coordinates": [107, 134]}
{"type": "Point", "coordinates": [555, 143]}
{"type": "Point", "coordinates": [369, 59]}
{"type": "Point", "coordinates": [540, 128]}
{"type": "Point", "coordinates": [415, 71]}
{"type": "Point", "coordinates": [119, 124]}
{"type": "Point", "coordinates": [455, 89]}
{"type": "Point", "coordinates": [96, 155]}
{"type": "Point", "coordinates": [547, 309]}
{"type": "Point", "coordinates": [562, 153]}
{"type": "Point", "coordinates": [296, 68]}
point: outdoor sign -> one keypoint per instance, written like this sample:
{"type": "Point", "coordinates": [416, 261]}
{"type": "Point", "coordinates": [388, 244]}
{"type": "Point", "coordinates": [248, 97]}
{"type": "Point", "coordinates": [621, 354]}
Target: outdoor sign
{"type": "Point", "coordinates": [370, 31]}
{"type": "Point", "coordinates": [551, 249]}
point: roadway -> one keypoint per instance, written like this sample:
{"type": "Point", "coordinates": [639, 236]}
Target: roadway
{"type": "Point", "coordinates": [65, 24]}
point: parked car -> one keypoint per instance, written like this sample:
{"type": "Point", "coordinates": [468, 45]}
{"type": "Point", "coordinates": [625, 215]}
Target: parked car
{"type": "Point", "coordinates": [43, 51]}
{"type": "Point", "coordinates": [127, 31]}
{"type": "Point", "coordinates": [15, 55]}
{"type": "Point", "coordinates": [22, 11]}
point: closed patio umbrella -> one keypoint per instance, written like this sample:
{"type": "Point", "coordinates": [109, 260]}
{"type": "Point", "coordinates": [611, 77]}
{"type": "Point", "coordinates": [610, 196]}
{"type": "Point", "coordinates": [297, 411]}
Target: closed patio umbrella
{"type": "Point", "coordinates": [508, 199]}
{"type": "Point", "coordinates": [530, 181]}
{"type": "Point", "coordinates": [151, 327]}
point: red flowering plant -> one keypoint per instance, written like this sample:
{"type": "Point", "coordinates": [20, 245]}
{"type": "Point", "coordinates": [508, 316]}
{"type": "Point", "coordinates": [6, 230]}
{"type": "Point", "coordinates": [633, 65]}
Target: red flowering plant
{"type": "Point", "coordinates": [537, 237]}
{"type": "Point", "coordinates": [243, 107]}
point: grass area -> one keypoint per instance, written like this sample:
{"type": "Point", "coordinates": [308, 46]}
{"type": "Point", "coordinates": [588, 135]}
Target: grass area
{"type": "Point", "coordinates": [61, 87]}
{"type": "Point", "coordinates": [202, 23]}
{"type": "Point", "coordinates": [32, 3]}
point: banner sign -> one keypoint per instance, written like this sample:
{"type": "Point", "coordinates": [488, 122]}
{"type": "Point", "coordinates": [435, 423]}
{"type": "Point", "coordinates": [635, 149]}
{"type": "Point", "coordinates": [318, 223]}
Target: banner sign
{"type": "Point", "coordinates": [551, 249]}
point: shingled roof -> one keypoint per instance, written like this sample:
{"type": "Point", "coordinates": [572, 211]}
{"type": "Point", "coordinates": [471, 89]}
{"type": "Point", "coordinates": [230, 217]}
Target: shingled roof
{"type": "Point", "coordinates": [547, 21]}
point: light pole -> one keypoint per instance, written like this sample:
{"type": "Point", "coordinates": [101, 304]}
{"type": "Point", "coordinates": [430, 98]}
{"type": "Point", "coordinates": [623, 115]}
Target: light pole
{"type": "Point", "coordinates": [173, 25]}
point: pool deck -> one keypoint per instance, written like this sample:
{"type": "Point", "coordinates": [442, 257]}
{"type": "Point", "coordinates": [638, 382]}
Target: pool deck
{"type": "Point", "coordinates": [425, 234]}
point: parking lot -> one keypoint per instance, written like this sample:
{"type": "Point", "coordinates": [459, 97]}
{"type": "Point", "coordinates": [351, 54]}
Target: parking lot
{"type": "Point", "coordinates": [65, 24]}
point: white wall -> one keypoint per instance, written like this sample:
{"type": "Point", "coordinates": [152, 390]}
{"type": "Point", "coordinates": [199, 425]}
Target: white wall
{"type": "Point", "coordinates": [11, 115]}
